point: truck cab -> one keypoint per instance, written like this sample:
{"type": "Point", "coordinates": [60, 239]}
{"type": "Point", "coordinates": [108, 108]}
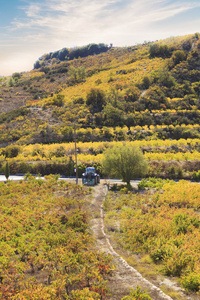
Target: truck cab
{"type": "Point", "coordinates": [90, 177]}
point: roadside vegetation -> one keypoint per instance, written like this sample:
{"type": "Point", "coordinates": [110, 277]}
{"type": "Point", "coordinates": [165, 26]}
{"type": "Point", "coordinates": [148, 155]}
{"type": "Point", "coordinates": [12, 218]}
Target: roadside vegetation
{"type": "Point", "coordinates": [166, 159]}
{"type": "Point", "coordinates": [125, 162]}
{"type": "Point", "coordinates": [161, 227]}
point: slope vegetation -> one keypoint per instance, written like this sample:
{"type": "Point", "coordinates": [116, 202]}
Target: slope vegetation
{"type": "Point", "coordinates": [150, 84]}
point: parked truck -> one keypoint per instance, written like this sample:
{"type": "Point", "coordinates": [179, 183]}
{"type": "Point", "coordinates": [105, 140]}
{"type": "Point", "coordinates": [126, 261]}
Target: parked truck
{"type": "Point", "coordinates": [90, 177]}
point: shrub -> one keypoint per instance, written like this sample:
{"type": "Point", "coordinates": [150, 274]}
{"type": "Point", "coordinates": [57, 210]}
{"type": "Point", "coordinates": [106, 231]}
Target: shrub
{"type": "Point", "coordinates": [125, 162]}
{"type": "Point", "coordinates": [11, 151]}
{"type": "Point", "coordinates": [196, 175]}
{"type": "Point", "coordinates": [143, 184]}
{"type": "Point", "coordinates": [137, 294]}
{"type": "Point", "coordinates": [157, 50]}
{"type": "Point", "coordinates": [191, 282]}
{"type": "Point", "coordinates": [7, 170]}
{"type": "Point", "coordinates": [13, 114]}
{"type": "Point", "coordinates": [96, 98]}
{"type": "Point", "coordinates": [57, 100]}
{"type": "Point", "coordinates": [176, 263]}
{"type": "Point", "coordinates": [178, 56]}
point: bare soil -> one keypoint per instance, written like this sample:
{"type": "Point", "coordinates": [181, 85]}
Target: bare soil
{"type": "Point", "coordinates": [125, 276]}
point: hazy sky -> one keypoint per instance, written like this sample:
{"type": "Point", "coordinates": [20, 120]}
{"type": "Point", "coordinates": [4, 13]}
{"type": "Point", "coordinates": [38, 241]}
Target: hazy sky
{"type": "Point", "coordinates": [31, 28]}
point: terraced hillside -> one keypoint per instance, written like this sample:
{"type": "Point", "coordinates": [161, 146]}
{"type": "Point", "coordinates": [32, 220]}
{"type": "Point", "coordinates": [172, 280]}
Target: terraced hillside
{"type": "Point", "coordinates": [151, 84]}
{"type": "Point", "coordinates": [143, 93]}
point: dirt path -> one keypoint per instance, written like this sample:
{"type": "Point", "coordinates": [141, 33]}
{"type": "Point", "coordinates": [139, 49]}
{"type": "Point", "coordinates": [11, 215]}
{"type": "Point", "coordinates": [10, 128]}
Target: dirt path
{"type": "Point", "coordinates": [125, 276]}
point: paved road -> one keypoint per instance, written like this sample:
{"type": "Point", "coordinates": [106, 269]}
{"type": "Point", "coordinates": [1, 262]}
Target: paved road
{"type": "Point", "coordinates": [11, 177]}
{"type": "Point", "coordinates": [109, 181]}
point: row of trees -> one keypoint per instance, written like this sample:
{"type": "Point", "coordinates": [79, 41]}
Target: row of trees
{"type": "Point", "coordinates": [124, 161]}
{"type": "Point", "coordinates": [70, 54]}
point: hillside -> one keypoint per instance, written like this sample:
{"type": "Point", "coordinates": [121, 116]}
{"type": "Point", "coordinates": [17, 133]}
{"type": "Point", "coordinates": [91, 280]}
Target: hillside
{"type": "Point", "coordinates": [150, 84]}
{"type": "Point", "coordinates": [146, 96]}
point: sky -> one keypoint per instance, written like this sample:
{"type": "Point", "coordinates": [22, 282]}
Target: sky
{"type": "Point", "coordinates": [31, 28]}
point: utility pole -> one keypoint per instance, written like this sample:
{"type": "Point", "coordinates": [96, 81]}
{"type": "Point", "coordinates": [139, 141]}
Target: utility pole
{"type": "Point", "coordinates": [75, 154]}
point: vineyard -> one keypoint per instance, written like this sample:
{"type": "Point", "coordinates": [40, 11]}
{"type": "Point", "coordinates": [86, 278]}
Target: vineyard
{"type": "Point", "coordinates": [46, 248]}
{"type": "Point", "coordinates": [100, 96]}
{"type": "Point", "coordinates": [141, 92]}
{"type": "Point", "coordinates": [161, 228]}
{"type": "Point", "coordinates": [146, 94]}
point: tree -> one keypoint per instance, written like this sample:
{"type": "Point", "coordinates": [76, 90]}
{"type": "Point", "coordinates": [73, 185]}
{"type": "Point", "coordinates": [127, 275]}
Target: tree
{"type": "Point", "coordinates": [125, 162]}
{"type": "Point", "coordinates": [7, 170]}
{"type": "Point", "coordinates": [146, 82]}
{"type": "Point", "coordinates": [96, 98]}
{"type": "Point", "coordinates": [178, 56]}
{"type": "Point", "coordinates": [132, 94]}
{"type": "Point", "coordinates": [77, 75]}
{"type": "Point", "coordinates": [154, 50]}
{"type": "Point", "coordinates": [112, 115]}
{"type": "Point", "coordinates": [157, 50]}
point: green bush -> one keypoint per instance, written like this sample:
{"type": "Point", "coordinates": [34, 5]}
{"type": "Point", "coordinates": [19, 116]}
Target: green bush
{"type": "Point", "coordinates": [137, 294]}
{"type": "Point", "coordinates": [57, 100]}
{"type": "Point", "coordinates": [158, 254]}
{"type": "Point", "coordinates": [11, 151]}
{"type": "Point", "coordinates": [7, 170]}
{"type": "Point", "coordinates": [143, 184]}
{"type": "Point", "coordinates": [191, 282]}
{"type": "Point", "coordinates": [13, 114]}
{"type": "Point", "coordinates": [196, 175]}
{"type": "Point", "coordinates": [151, 182]}
{"type": "Point", "coordinates": [176, 263]}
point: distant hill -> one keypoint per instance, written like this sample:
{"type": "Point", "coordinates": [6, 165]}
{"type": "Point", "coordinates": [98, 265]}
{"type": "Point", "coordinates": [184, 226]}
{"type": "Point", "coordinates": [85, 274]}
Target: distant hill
{"type": "Point", "coordinates": [67, 54]}
{"type": "Point", "coordinates": [99, 86]}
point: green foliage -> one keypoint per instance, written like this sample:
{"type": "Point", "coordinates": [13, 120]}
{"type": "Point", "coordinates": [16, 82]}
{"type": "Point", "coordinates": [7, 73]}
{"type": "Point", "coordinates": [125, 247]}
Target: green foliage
{"type": "Point", "coordinates": [11, 151]}
{"type": "Point", "coordinates": [96, 99]}
{"type": "Point", "coordinates": [191, 282]}
{"type": "Point", "coordinates": [62, 54]}
{"type": "Point", "coordinates": [146, 82]}
{"type": "Point", "coordinates": [184, 224]}
{"type": "Point", "coordinates": [57, 100]}
{"type": "Point", "coordinates": [112, 115]}
{"type": "Point", "coordinates": [132, 94]}
{"type": "Point", "coordinates": [67, 131]}
{"type": "Point", "coordinates": [137, 294]}
{"type": "Point", "coordinates": [70, 54]}
{"type": "Point", "coordinates": [196, 175]}
{"type": "Point", "coordinates": [77, 75]}
{"type": "Point", "coordinates": [156, 183]}
{"type": "Point", "coordinates": [13, 114]}
{"type": "Point", "coordinates": [178, 56]}
{"type": "Point", "coordinates": [125, 162]}
{"type": "Point", "coordinates": [171, 97]}
{"type": "Point", "coordinates": [155, 99]}
{"type": "Point", "coordinates": [11, 82]}
{"type": "Point", "coordinates": [157, 50]}
{"type": "Point", "coordinates": [7, 170]}
{"type": "Point", "coordinates": [16, 76]}
{"type": "Point", "coordinates": [176, 263]}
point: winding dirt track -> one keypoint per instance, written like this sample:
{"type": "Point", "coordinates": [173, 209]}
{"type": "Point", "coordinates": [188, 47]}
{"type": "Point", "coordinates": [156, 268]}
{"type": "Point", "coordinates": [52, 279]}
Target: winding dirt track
{"type": "Point", "coordinates": [125, 276]}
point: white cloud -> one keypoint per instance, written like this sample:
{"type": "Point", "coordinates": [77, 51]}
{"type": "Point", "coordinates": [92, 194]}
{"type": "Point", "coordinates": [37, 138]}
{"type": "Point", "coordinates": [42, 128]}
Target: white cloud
{"type": "Point", "coordinates": [85, 20]}
{"type": "Point", "coordinates": [49, 25]}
